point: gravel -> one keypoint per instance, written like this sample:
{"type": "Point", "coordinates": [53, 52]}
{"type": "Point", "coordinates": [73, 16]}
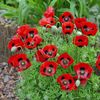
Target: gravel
{"type": "Point", "coordinates": [8, 79]}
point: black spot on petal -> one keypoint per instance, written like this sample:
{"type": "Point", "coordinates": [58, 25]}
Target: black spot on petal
{"type": "Point", "coordinates": [20, 59]}
{"type": "Point", "coordinates": [70, 81]}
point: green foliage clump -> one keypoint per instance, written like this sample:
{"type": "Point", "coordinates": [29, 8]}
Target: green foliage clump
{"type": "Point", "coordinates": [34, 86]}
{"type": "Point", "coordinates": [30, 11]}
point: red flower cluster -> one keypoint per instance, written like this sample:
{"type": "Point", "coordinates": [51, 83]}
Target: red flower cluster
{"type": "Point", "coordinates": [19, 61]}
{"type": "Point", "coordinates": [48, 19]}
{"type": "Point", "coordinates": [49, 51]}
{"type": "Point", "coordinates": [29, 38]}
{"type": "Point", "coordinates": [26, 37]}
{"type": "Point", "coordinates": [69, 24]}
{"type": "Point", "coordinates": [83, 70]}
{"type": "Point", "coordinates": [69, 82]}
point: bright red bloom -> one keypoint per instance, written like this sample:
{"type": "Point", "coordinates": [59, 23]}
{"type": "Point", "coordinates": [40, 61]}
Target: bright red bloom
{"type": "Point", "coordinates": [15, 44]}
{"type": "Point", "coordinates": [89, 28]}
{"type": "Point", "coordinates": [83, 70]}
{"type": "Point", "coordinates": [19, 61]}
{"type": "Point", "coordinates": [98, 63]}
{"type": "Point", "coordinates": [40, 57]}
{"type": "Point", "coordinates": [49, 12]}
{"type": "Point", "coordinates": [67, 27]}
{"type": "Point", "coordinates": [66, 82]}
{"type": "Point", "coordinates": [65, 17]}
{"type": "Point", "coordinates": [47, 22]}
{"type": "Point", "coordinates": [65, 60]}
{"type": "Point", "coordinates": [48, 68]}
{"type": "Point", "coordinates": [50, 51]}
{"type": "Point", "coordinates": [32, 43]}
{"type": "Point", "coordinates": [12, 61]}
{"type": "Point", "coordinates": [32, 32]}
{"type": "Point", "coordinates": [78, 22]}
{"type": "Point", "coordinates": [80, 40]}
{"type": "Point", "coordinates": [23, 31]}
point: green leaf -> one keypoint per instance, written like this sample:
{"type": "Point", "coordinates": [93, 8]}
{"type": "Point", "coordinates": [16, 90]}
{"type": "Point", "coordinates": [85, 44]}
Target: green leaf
{"type": "Point", "coordinates": [53, 2]}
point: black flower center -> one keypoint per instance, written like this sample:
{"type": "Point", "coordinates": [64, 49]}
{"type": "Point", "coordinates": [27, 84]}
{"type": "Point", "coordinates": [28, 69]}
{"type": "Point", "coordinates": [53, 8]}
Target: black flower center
{"type": "Point", "coordinates": [49, 70]}
{"type": "Point", "coordinates": [65, 61]}
{"type": "Point", "coordinates": [23, 63]}
{"type": "Point", "coordinates": [66, 19]}
{"type": "Point", "coordinates": [65, 82]}
{"type": "Point", "coordinates": [19, 48]}
{"type": "Point", "coordinates": [82, 71]}
{"type": "Point", "coordinates": [48, 52]}
{"type": "Point", "coordinates": [87, 28]}
{"type": "Point", "coordinates": [30, 44]}
{"type": "Point", "coordinates": [31, 33]}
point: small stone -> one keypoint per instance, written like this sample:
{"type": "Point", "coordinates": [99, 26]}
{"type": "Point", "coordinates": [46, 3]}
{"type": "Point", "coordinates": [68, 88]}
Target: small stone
{"type": "Point", "coordinates": [1, 85]}
{"type": "Point", "coordinates": [6, 78]}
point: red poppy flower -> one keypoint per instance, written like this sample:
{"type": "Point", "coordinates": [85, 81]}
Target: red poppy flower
{"type": "Point", "coordinates": [78, 22]}
{"type": "Point", "coordinates": [48, 68]}
{"type": "Point", "coordinates": [98, 63]}
{"type": "Point", "coordinates": [40, 57]}
{"type": "Point", "coordinates": [12, 61]}
{"type": "Point", "coordinates": [65, 60]}
{"type": "Point", "coordinates": [32, 32]}
{"type": "Point", "coordinates": [67, 27]}
{"type": "Point", "coordinates": [89, 28]}
{"type": "Point", "coordinates": [32, 43]}
{"type": "Point", "coordinates": [23, 31]}
{"type": "Point", "coordinates": [20, 62]}
{"type": "Point", "coordinates": [83, 70]}
{"type": "Point", "coordinates": [80, 40]}
{"type": "Point", "coordinates": [15, 44]}
{"type": "Point", "coordinates": [47, 22]}
{"type": "Point", "coordinates": [50, 51]}
{"type": "Point", "coordinates": [66, 82]}
{"type": "Point", "coordinates": [49, 12]}
{"type": "Point", "coordinates": [65, 17]}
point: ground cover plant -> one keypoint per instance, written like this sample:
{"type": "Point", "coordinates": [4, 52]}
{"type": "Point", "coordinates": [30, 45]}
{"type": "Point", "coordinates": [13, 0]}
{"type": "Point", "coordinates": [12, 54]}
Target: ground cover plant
{"type": "Point", "coordinates": [58, 59]}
